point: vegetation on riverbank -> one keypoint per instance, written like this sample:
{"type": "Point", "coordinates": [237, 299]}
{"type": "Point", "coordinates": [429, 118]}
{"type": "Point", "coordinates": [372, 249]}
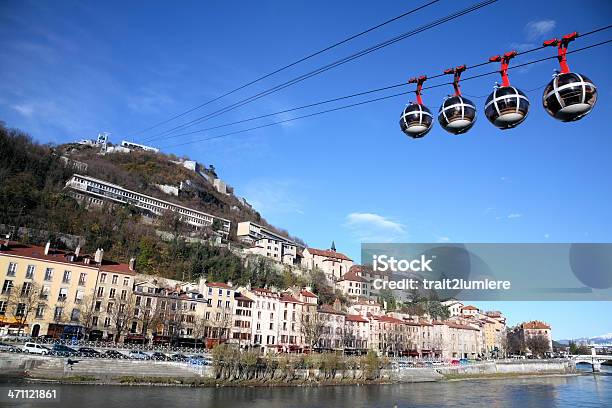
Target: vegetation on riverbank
{"type": "Point", "coordinates": [250, 366]}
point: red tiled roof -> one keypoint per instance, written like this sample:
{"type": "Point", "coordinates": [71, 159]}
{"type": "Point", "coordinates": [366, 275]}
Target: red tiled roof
{"type": "Point", "coordinates": [307, 293]}
{"type": "Point", "coordinates": [330, 309]}
{"type": "Point", "coordinates": [218, 285]}
{"type": "Point", "coordinates": [352, 276]}
{"type": "Point", "coordinates": [59, 256]}
{"type": "Point", "coordinates": [459, 326]}
{"type": "Point", "coordinates": [328, 254]}
{"type": "Point", "coordinates": [356, 318]}
{"type": "Point", "coordinates": [535, 324]}
{"type": "Point", "coordinates": [288, 298]}
{"type": "Point", "coordinates": [469, 307]}
{"type": "Point", "coordinates": [390, 319]}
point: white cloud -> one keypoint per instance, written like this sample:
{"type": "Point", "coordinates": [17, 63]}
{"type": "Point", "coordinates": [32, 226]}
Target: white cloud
{"type": "Point", "coordinates": [536, 29]}
{"type": "Point", "coordinates": [25, 110]}
{"type": "Point", "coordinates": [443, 239]}
{"type": "Point", "coordinates": [370, 227]}
{"type": "Point", "coordinates": [515, 215]}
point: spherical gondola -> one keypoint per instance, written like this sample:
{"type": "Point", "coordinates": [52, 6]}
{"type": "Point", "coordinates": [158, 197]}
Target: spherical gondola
{"type": "Point", "coordinates": [507, 107]}
{"type": "Point", "coordinates": [457, 114]}
{"type": "Point", "coordinates": [416, 120]}
{"type": "Point", "coordinates": [569, 97]}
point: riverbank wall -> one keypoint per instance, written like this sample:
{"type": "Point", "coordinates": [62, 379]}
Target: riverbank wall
{"type": "Point", "coordinates": [101, 371]}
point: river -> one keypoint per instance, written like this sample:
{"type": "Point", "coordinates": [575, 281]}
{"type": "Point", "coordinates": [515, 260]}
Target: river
{"type": "Point", "coordinates": [593, 390]}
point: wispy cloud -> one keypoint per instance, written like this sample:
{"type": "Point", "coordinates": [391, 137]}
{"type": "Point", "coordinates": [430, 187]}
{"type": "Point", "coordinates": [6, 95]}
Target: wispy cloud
{"type": "Point", "coordinates": [25, 109]}
{"type": "Point", "coordinates": [514, 215]}
{"type": "Point", "coordinates": [374, 227]}
{"type": "Point", "coordinates": [535, 30]}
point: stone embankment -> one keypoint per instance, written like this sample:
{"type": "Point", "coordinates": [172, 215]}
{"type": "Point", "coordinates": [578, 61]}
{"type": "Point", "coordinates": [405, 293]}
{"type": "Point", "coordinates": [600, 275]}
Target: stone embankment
{"type": "Point", "coordinates": [104, 371]}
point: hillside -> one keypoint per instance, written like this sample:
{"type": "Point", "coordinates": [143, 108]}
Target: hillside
{"type": "Point", "coordinates": [32, 195]}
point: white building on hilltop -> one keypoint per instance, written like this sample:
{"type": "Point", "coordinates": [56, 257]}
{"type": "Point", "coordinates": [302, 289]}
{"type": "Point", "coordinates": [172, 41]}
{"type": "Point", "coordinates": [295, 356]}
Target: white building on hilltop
{"type": "Point", "coordinates": [96, 191]}
{"type": "Point", "coordinates": [267, 243]}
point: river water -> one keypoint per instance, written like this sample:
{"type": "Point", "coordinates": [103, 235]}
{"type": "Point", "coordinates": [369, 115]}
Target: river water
{"type": "Point", "coordinates": [593, 390]}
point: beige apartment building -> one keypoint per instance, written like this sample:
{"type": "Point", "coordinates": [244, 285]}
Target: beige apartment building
{"type": "Point", "coordinates": [47, 290]}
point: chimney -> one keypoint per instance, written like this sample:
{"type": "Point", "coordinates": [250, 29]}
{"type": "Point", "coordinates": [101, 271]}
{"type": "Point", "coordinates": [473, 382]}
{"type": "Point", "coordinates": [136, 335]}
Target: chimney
{"type": "Point", "coordinates": [132, 264]}
{"type": "Point", "coordinates": [99, 255]}
{"type": "Point", "coordinates": [47, 247]}
{"type": "Point", "coordinates": [230, 284]}
{"type": "Point", "coordinates": [86, 260]}
{"type": "Point", "coordinates": [77, 251]}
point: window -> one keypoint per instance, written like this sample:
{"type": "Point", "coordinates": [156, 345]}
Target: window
{"type": "Point", "coordinates": [49, 274]}
{"type": "Point", "coordinates": [192, 307]}
{"type": "Point", "coordinates": [109, 307]}
{"type": "Point", "coordinates": [103, 278]}
{"type": "Point", "coordinates": [40, 311]}
{"type": "Point", "coordinates": [122, 308]}
{"type": "Point", "coordinates": [30, 272]}
{"type": "Point", "coordinates": [7, 287]}
{"type": "Point", "coordinates": [63, 294]}
{"type": "Point", "coordinates": [138, 300]}
{"type": "Point", "coordinates": [94, 321]}
{"type": "Point", "coordinates": [12, 268]}
{"type": "Point", "coordinates": [100, 291]}
{"type": "Point", "coordinates": [111, 294]}
{"type": "Point", "coordinates": [20, 309]}
{"type": "Point", "coordinates": [227, 303]}
{"type": "Point", "coordinates": [44, 293]}
{"type": "Point", "coordinates": [123, 294]}
{"type": "Point", "coordinates": [126, 281]}
{"type": "Point", "coordinates": [97, 306]}
{"type": "Point", "coordinates": [2, 307]}
{"type": "Point", "coordinates": [82, 279]}
{"type": "Point", "coordinates": [219, 303]}
{"type": "Point", "coordinates": [80, 294]}
{"type": "Point", "coordinates": [57, 314]}
{"type": "Point", "coordinates": [148, 302]}
{"type": "Point", "coordinates": [75, 315]}
{"type": "Point", "coordinates": [26, 288]}
{"type": "Point", "coordinates": [107, 322]}
{"type": "Point", "coordinates": [115, 277]}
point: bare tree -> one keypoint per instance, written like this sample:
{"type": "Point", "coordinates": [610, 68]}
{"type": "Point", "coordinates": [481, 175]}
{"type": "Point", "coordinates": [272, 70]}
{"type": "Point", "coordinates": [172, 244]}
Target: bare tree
{"type": "Point", "coordinates": [538, 345]}
{"type": "Point", "coordinates": [122, 314]}
{"type": "Point", "coordinates": [87, 311]}
{"type": "Point", "coordinates": [311, 327]}
{"type": "Point", "coordinates": [22, 302]}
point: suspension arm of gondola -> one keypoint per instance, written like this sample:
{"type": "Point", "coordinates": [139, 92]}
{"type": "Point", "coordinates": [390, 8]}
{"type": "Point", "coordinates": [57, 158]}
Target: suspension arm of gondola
{"type": "Point", "coordinates": [562, 45]}
{"type": "Point", "coordinates": [419, 81]}
{"type": "Point", "coordinates": [456, 72]}
{"type": "Point", "coordinates": [505, 62]}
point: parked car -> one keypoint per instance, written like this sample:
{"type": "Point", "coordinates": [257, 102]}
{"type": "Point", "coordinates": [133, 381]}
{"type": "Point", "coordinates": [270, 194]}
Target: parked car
{"type": "Point", "coordinates": [197, 359]}
{"type": "Point", "coordinates": [35, 349]}
{"type": "Point", "coordinates": [95, 335]}
{"type": "Point", "coordinates": [113, 354]}
{"type": "Point", "coordinates": [159, 356]}
{"type": "Point", "coordinates": [88, 352]}
{"type": "Point", "coordinates": [8, 347]}
{"type": "Point", "coordinates": [63, 351]}
{"type": "Point", "coordinates": [139, 355]}
{"type": "Point", "coordinates": [455, 362]}
{"type": "Point", "coordinates": [179, 357]}
{"type": "Point", "coordinates": [45, 337]}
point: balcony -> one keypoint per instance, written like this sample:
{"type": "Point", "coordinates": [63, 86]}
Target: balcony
{"type": "Point", "coordinates": [61, 298]}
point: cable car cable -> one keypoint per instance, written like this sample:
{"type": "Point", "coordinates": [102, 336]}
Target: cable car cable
{"type": "Point", "coordinates": [360, 94]}
{"type": "Point", "coordinates": [332, 65]}
{"type": "Point", "coordinates": [285, 67]}
{"type": "Point", "coordinates": [376, 99]}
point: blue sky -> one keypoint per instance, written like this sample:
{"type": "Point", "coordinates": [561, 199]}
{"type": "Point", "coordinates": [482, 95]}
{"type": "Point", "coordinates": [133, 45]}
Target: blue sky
{"type": "Point", "coordinates": [70, 69]}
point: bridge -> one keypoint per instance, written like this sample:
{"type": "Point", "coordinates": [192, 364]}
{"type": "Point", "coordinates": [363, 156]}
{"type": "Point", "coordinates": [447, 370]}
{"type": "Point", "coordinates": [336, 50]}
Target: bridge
{"type": "Point", "coordinates": [594, 360]}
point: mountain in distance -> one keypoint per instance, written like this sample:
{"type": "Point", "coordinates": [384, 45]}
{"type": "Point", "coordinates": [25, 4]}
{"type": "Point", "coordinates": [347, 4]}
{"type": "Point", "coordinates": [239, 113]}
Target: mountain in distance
{"type": "Point", "coordinates": [602, 340]}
